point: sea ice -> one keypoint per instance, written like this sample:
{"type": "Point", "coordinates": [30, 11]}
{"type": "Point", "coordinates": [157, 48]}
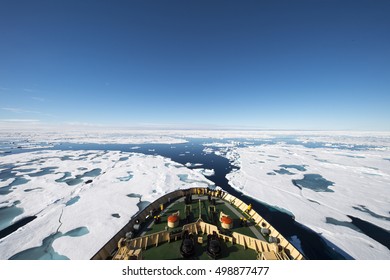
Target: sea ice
{"type": "Point", "coordinates": [102, 207]}
{"type": "Point", "coordinates": [205, 172]}
{"type": "Point", "coordinates": [188, 164]}
{"type": "Point", "coordinates": [341, 186]}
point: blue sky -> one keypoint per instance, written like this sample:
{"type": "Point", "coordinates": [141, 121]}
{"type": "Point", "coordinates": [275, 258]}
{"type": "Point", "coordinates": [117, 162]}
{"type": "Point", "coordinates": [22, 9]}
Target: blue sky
{"type": "Point", "coordinates": [314, 64]}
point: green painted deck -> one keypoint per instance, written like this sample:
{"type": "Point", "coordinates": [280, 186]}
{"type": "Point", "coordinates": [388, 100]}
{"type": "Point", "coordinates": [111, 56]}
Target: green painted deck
{"type": "Point", "coordinates": [200, 208]}
{"type": "Point", "coordinates": [221, 205]}
{"type": "Point", "coordinates": [171, 251]}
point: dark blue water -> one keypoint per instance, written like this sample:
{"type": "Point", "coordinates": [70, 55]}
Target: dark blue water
{"type": "Point", "coordinates": [336, 222]}
{"type": "Point", "coordinates": [314, 182]}
{"type": "Point", "coordinates": [293, 166]}
{"type": "Point", "coordinates": [72, 201]}
{"type": "Point", "coordinates": [93, 173]}
{"type": "Point", "coordinates": [283, 171]}
{"type": "Point", "coordinates": [63, 178]}
{"type": "Point", "coordinates": [80, 231]}
{"type": "Point", "coordinates": [78, 179]}
{"type": "Point", "coordinates": [24, 170]}
{"type": "Point", "coordinates": [364, 209]}
{"type": "Point", "coordinates": [14, 226]}
{"type": "Point", "coordinates": [8, 214]}
{"type": "Point", "coordinates": [313, 245]}
{"type": "Point", "coordinates": [7, 148]}
{"type": "Point", "coordinates": [16, 182]}
{"type": "Point", "coordinates": [142, 205]}
{"type": "Point", "coordinates": [135, 195]}
{"type": "Point", "coordinates": [43, 171]}
{"type": "Point", "coordinates": [377, 233]}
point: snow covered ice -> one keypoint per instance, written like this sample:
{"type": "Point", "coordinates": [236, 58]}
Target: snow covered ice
{"type": "Point", "coordinates": [338, 183]}
{"type": "Point", "coordinates": [83, 198]}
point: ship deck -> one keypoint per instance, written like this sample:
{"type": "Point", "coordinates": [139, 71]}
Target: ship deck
{"type": "Point", "coordinates": [200, 209]}
{"type": "Point", "coordinates": [171, 251]}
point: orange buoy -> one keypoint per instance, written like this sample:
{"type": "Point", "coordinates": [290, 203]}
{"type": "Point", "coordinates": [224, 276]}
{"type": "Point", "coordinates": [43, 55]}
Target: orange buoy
{"type": "Point", "coordinates": [173, 221]}
{"type": "Point", "coordinates": [226, 222]}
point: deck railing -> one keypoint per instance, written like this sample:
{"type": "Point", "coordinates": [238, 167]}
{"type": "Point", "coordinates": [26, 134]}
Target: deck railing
{"type": "Point", "coordinates": [111, 246]}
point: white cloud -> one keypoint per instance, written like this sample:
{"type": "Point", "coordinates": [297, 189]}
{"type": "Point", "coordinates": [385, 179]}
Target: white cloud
{"type": "Point", "coordinates": [19, 120]}
{"type": "Point", "coordinates": [19, 110]}
{"type": "Point", "coordinates": [23, 111]}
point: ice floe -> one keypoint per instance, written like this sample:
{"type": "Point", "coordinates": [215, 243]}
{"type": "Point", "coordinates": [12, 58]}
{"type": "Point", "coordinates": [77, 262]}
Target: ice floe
{"type": "Point", "coordinates": [205, 172]}
{"type": "Point", "coordinates": [100, 202]}
{"type": "Point", "coordinates": [189, 164]}
{"type": "Point", "coordinates": [319, 193]}
{"type": "Point", "coordinates": [45, 138]}
{"type": "Point", "coordinates": [55, 187]}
